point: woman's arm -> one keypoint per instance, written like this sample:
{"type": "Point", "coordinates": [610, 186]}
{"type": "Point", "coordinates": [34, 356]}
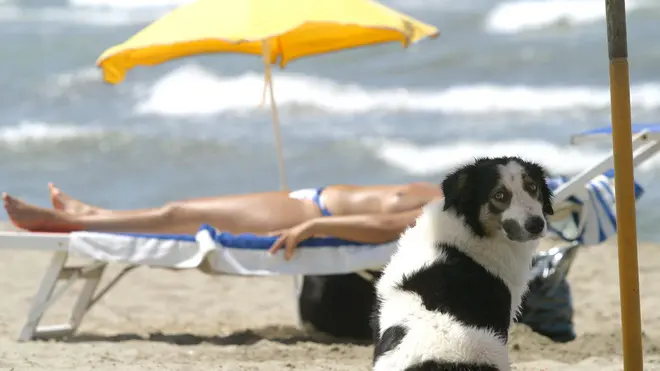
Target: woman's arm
{"type": "Point", "coordinates": [369, 228]}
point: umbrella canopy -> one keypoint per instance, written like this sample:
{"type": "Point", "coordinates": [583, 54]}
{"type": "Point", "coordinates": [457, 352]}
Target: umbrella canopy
{"type": "Point", "coordinates": [292, 28]}
{"type": "Point", "coordinates": [278, 30]}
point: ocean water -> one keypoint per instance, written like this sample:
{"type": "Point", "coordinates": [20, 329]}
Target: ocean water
{"type": "Point", "coordinates": [505, 77]}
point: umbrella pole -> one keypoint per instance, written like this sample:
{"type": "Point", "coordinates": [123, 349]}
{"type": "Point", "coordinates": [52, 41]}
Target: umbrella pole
{"type": "Point", "coordinates": [268, 83]}
{"type": "Point", "coordinates": [624, 185]}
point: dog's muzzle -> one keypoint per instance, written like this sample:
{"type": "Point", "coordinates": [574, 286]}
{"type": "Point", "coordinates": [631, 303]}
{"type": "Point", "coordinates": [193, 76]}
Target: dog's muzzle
{"type": "Point", "coordinates": [534, 227]}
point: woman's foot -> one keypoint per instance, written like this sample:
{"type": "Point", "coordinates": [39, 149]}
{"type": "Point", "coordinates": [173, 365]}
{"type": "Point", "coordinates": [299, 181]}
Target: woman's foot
{"type": "Point", "coordinates": [37, 219]}
{"type": "Point", "coordinates": [63, 202]}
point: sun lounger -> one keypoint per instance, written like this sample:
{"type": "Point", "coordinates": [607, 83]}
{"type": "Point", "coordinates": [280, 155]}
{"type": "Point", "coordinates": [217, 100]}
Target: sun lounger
{"type": "Point", "coordinates": [597, 222]}
{"type": "Point", "coordinates": [651, 133]}
{"type": "Point", "coordinates": [586, 199]}
{"type": "Point", "coordinates": [210, 251]}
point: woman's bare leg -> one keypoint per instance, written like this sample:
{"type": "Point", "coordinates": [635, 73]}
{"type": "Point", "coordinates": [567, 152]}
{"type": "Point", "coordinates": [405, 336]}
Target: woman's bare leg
{"type": "Point", "coordinates": [37, 219]}
{"type": "Point", "coordinates": [255, 213]}
{"type": "Point", "coordinates": [63, 202]}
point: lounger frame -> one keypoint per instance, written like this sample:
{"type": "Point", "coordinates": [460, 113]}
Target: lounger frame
{"type": "Point", "coordinates": [59, 272]}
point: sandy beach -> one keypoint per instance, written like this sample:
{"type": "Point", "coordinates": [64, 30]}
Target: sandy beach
{"type": "Point", "coordinates": [167, 320]}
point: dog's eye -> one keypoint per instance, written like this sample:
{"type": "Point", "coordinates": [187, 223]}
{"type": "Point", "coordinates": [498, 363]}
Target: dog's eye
{"type": "Point", "coordinates": [532, 187]}
{"type": "Point", "coordinates": [499, 196]}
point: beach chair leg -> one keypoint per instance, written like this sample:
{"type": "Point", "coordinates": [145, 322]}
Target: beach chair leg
{"type": "Point", "coordinates": [42, 300]}
{"type": "Point", "coordinates": [46, 296]}
{"type": "Point", "coordinates": [86, 299]}
{"type": "Point", "coordinates": [297, 291]}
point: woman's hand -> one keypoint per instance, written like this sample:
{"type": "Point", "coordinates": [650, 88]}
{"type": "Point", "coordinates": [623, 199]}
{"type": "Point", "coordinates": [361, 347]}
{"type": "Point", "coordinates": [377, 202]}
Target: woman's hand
{"type": "Point", "coordinates": [290, 238]}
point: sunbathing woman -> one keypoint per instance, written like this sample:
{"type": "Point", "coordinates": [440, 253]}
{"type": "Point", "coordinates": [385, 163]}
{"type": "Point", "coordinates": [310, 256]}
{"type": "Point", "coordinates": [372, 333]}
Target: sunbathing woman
{"type": "Point", "coordinates": [367, 214]}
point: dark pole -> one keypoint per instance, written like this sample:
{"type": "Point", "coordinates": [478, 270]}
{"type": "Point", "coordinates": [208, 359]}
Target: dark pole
{"type": "Point", "coordinates": [631, 326]}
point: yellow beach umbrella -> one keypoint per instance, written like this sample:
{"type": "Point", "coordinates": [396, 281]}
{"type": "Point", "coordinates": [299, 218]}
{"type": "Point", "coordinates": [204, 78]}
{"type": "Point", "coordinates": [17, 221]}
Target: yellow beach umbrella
{"type": "Point", "coordinates": [631, 324]}
{"type": "Point", "coordinates": [278, 30]}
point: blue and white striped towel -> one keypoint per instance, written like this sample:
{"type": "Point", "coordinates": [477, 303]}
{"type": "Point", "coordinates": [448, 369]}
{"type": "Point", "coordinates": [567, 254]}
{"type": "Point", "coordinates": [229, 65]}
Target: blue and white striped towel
{"type": "Point", "coordinates": [595, 220]}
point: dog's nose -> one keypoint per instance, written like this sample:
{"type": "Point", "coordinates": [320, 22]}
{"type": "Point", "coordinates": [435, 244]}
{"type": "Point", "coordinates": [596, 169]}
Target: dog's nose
{"type": "Point", "coordinates": [534, 225]}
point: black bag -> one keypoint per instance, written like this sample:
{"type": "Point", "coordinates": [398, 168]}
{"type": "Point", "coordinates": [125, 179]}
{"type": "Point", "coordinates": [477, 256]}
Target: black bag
{"type": "Point", "coordinates": [548, 306]}
{"type": "Point", "coordinates": [341, 305]}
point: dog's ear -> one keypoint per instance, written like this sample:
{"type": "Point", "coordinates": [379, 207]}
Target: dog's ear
{"type": "Point", "coordinates": [540, 176]}
{"type": "Point", "coordinates": [463, 195]}
{"type": "Point", "coordinates": [454, 185]}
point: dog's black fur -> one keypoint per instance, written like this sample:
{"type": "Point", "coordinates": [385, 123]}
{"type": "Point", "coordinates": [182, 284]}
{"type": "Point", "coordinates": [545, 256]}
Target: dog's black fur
{"type": "Point", "coordinates": [469, 292]}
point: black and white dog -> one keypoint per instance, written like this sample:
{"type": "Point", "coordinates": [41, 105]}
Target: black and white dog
{"type": "Point", "coordinates": [449, 294]}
